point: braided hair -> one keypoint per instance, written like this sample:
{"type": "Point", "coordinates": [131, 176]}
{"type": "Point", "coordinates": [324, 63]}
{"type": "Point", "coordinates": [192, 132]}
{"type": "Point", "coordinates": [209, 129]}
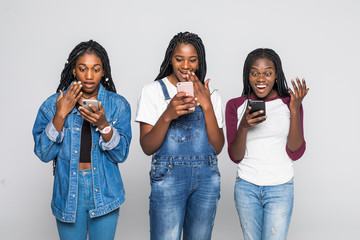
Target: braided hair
{"type": "Point", "coordinates": [89, 47]}
{"type": "Point", "coordinates": [186, 38]}
{"type": "Point", "coordinates": [280, 84]}
{"type": "Point", "coordinates": [67, 77]}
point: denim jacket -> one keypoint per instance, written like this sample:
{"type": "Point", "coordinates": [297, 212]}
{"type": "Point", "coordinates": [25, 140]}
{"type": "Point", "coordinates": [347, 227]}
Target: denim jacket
{"type": "Point", "coordinates": [108, 187]}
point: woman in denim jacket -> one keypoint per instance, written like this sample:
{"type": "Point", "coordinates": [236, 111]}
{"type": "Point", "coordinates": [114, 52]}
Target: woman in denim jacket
{"type": "Point", "coordinates": [86, 144]}
{"type": "Point", "coordinates": [184, 134]}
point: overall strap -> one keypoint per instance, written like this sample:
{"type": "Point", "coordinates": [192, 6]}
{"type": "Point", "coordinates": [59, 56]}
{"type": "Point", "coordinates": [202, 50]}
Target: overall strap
{"type": "Point", "coordinates": [164, 89]}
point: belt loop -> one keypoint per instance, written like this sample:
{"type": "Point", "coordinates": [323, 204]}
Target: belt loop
{"type": "Point", "coordinates": [210, 160]}
{"type": "Point", "coordinates": [170, 163]}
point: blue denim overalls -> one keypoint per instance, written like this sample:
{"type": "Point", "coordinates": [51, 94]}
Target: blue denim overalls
{"type": "Point", "coordinates": [185, 181]}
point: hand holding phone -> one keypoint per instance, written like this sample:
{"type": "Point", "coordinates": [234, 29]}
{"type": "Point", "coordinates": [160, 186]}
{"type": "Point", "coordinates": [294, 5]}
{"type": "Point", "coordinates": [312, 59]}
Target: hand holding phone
{"type": "Point", "coordinates": [257, 105]}
{"type": "Point", "coordinates": [187, 87]}
{"type": "Point", "coordinates": [87, 102]}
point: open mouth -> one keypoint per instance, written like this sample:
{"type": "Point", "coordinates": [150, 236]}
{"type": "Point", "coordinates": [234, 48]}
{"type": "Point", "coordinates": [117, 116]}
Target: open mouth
{"type": "Point", "coordinates": [88, 84]}
{"type": "Point", "coordinates": [183, 74]}
{"type": "Point", "coordinates": [261, 87]}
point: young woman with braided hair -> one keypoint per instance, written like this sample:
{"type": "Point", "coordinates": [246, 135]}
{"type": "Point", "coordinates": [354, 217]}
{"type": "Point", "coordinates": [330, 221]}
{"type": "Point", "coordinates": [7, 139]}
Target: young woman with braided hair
{"type": "Point", "coordinates": [184, 143]}
{"type": "Point", "coordinates": [87, 145]}
{"type": "Point", "coordinates": [264, 147]}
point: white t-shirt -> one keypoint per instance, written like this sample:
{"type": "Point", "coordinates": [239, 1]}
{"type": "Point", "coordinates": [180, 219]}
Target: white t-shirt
{"type": "Point", "coordinates": [152, 103]}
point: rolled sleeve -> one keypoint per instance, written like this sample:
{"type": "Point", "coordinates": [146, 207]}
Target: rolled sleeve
{"type": "Point", "coordinates": [114, 141]}
{"type": "Point", "coordinates": [53, 134]}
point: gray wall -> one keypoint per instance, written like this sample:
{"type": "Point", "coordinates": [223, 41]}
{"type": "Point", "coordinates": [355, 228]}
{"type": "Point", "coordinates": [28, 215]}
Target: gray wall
{"type": "Point", "coordinates": [318, 40]}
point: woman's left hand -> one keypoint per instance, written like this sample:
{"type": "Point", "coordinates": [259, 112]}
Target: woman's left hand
{"type": "Point", "coordinates": [298, 94]}
{"type": "Point", "coordinates": [201, 91]}
{"type": "Point", "coordinates": [96, 116]}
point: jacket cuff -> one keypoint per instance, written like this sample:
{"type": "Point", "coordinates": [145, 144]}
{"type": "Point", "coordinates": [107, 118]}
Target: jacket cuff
{"type": "Point", "coordinates": [114, 141]}
{"type": "Point", "coordinates": [53, 134]}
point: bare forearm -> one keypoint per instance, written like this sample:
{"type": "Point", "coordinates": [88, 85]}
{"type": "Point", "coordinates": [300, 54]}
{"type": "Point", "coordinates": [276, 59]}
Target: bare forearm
{"type": "Point", "coordinates": [153, 139]}
{"type": "Point", "coordinates": [295, 137]}
{"type": "Point", "coordinates": [237, 148]}
{"type": "Point", "coordinates": [59, 121]}
{"type": "Point", "coordinates": [215, 134]}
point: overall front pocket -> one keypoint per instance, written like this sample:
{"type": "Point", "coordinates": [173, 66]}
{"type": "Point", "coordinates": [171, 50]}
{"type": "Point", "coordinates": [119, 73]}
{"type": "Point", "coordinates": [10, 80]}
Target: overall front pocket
{"type": "Point", "coordinates": [185, 127]}
{"type": "Point", "coordinates": [159, 172]}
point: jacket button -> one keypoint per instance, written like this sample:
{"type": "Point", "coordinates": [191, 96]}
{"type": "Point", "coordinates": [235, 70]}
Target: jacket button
{"type": "Point", "coordinates": [73, 195]}
{"type": "Point", "coordinates": [155, 160]}
{"type": "Point", "coordinates": [74, 173]}
{"type": "Point", "coordinates": [94, 168]}
{"type": "Point", "coordinates": [93, 213]}
{"type": "Point", "coordinates": [75, 151]}
{"type": "Point", "coordinates": [153, 173]}
{"type": "Point", "coordinates": [96, 190]}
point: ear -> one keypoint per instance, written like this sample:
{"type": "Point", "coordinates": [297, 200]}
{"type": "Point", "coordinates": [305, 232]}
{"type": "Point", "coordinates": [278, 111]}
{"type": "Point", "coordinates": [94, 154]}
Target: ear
{"type": "Point", "coordinates": [74, 73]}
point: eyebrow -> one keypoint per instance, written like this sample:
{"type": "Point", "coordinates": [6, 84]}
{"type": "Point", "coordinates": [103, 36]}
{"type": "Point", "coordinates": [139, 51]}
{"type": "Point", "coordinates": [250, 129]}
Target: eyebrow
{"type": "Point", "coordinates": [183, 56]}
{"type": "Point", "coordinates": [93, 66]}
{"type": "Point", "coordinates": [265, 68]}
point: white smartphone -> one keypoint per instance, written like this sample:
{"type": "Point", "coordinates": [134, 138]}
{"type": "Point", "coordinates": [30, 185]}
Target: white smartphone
{"type": "Point", "coordinates": [187, 87]}
{"type": "Point", "coordinates": [87, 102]}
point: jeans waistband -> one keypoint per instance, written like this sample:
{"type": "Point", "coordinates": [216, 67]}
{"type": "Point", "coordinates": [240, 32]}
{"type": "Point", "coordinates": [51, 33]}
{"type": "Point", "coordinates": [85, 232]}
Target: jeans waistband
{"type": "Point", "coordinates": [85, 172]}
{"type": "Point", "coordinates": [185, 160]}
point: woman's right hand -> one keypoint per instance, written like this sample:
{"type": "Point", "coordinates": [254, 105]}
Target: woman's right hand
{"type": "Point", "coordinates": [66, 102]}
{"type": "Point", "coordinates": [250, 119]}
{"type": "Point", "coordinates": [179, 105]}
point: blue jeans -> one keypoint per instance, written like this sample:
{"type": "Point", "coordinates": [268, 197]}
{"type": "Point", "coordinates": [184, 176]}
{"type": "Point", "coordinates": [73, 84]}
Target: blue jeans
{"type": "Point", "coordinates": [184, 197]}
{"type": "Point", "coordinates": [102, 227]}
{"type": "Point", "coordinates": [264, 211]}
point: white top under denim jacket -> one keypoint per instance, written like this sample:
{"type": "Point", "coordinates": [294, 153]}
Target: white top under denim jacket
{"type": "Point", "coordinates": [108, 187]}
{"type": "Point", "coordinates": [152, 104]}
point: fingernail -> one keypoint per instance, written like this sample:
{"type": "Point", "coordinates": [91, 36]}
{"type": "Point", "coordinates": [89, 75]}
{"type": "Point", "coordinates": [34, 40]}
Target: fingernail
{"type": "Point", "coordinates": [196, 99]}
{"type": "Point", "coordinates": [186, 94]}
{"type": "Point", "coordinates": [198, 103]}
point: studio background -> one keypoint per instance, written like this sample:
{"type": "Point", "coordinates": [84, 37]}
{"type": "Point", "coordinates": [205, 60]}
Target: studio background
{"type": "Point", "coordinates": [317, 40]}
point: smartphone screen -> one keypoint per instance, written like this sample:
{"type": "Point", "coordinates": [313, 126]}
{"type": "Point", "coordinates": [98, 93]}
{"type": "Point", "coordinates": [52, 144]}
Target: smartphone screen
{"type": "Point", "coordinates": [257, 105]}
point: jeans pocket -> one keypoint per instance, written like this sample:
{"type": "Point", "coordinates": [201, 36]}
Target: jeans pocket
{"type": "Point", "coordinates": [291, 182]}
{"type": "Point", "coordinates": [215, 169]}
{"type": "Point", "coordinates": [185, 127]}
{"type": "Point", "coordinates": [159, 172]}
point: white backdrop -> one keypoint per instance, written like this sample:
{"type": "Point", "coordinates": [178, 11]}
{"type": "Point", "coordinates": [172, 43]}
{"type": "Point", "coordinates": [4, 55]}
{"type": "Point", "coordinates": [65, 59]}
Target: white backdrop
{"type": "Point", "coordinates": [318, 40]}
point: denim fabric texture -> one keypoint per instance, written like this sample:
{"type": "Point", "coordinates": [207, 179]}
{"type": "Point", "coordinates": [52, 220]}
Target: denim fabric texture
{"type": "Point", "coordinates": [108, 187]}
{"type": "Point", "coordinates": [264, 211]}
{"type": "Point", "coordinates": [185, 181]}
{"type": "Point", "coordinates": [102, 227]}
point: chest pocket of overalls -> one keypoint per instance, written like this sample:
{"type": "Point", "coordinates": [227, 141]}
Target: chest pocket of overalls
{"type": "Point", "coordinates": [185, 127]}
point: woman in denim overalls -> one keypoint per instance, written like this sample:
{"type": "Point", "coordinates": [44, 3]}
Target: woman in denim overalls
{"type": "Point", "coordinates": [185, 180]}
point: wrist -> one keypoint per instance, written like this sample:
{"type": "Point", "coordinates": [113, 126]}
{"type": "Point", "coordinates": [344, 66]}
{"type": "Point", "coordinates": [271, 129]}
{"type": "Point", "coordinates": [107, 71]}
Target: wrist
{"type": "Point", "coordinates": [60, 116]}
{"type": "Point", "coordinates": [105, 130]}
